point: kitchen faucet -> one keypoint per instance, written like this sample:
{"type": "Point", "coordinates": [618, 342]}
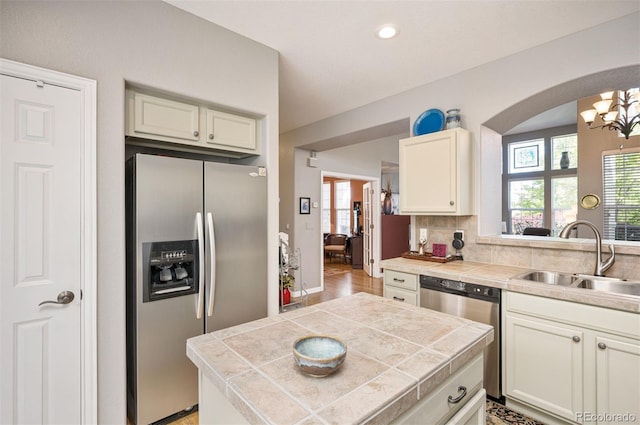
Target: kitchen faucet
{"type": "Point", "coordinates": [600, 266]}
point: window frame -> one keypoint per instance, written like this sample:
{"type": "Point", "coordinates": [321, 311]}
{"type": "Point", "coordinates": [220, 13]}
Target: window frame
{"type": "Point", "coordinates": [547, 173]}
{"type": "Point", "coordinates": [610, 206]}
{"type": "Point", "coordinates": [337, 211]}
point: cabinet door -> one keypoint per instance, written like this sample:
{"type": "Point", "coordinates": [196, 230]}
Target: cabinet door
{"type": "Point", "coordinates": [427, 160]}
{"type": "Point", "coordinates": [227, 130]}
{"type": "Point", "coordinates": [544, 365]}
{"type": "Point", "coordinates": [435, 173]}
{"type": "Point", "coordinates": [154, 116]}
{"type": "Point", "coordinates": [617, 380]}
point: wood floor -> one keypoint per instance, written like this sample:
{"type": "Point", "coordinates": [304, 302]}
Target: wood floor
{"type": "Point", "coordinates": [339, 280]}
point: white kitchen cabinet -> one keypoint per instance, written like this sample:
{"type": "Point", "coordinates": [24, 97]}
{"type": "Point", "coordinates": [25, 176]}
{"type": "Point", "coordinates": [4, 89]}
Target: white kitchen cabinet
{"type": "Point", "coordinates": [618, 377]}
{"type": "Point", "coordinates": [402, 287]}
{"type": "Point", "coordinates": [230, 131]}
{"type": "Point", "coordinates": [188, 126]}
{"type": "Point", "coordinates": [544, 365]}
{"type": "Point", "coordinates": [157, 117]}
{"type": "Point", "coordinates": [435, 174]}
{"type": "Point", "coordinates": [573, 361]}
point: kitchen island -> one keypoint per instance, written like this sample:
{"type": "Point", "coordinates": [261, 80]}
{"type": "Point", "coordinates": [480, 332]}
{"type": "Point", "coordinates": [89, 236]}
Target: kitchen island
{"type": "Point", "coordinates": [402, 364]}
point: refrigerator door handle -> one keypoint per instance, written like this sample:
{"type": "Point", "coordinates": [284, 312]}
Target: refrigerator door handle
{"type": "Point", "coordinates": [212, 263]}
{"type": "Point", "coordinates": [200, 301]}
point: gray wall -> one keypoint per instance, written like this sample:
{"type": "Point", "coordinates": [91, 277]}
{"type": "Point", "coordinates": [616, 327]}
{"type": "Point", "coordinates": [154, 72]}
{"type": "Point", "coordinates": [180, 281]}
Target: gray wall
{"type": "Point", "coordinates": [362, 161]}
{"type": "Point", "coordinates": [482, 93]}
{"type": "Point", "coordinates": [158, 45]}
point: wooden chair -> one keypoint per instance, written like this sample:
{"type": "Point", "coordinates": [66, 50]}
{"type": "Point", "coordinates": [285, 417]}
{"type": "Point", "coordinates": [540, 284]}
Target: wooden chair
{"type": "Point", "coordinates": [336, 244]}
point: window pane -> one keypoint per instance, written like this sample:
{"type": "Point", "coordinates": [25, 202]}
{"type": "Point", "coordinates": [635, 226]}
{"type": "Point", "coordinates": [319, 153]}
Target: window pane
{"type": "Point", "coordinates": [326, 207]}
{"type": "Point", "coordinates": [526, 204]}
{"type": "Point", "coordinates": [343, 207]}
{"type": "Point", "coordinates": [564, 202]}
{"type": "Point", "coordinates": [343, 222]}
{"type": "Point", "coordinates": [343, 195]}
{"type": "Point", "coordinates": [567, 143]}
{"type": "Point", "coordinates": [526, 194]}
{"type": "Point", "coordinates": [527, 156]}
{"type": "Point", "coordinates": [521, 219]}
{"type": "Point", "coordinates": [621, 180]}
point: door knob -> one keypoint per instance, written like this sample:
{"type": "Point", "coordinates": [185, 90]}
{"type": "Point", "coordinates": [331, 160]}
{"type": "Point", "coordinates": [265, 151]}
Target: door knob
{"type": "Point", "coordinates": [64, 297]}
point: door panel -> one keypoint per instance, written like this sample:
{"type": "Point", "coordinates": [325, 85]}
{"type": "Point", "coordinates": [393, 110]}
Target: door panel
{"type": "Point", "coordinates": [40, 229]}
{"type": "Point", "coordinates": [236, 198]}
{"type": "Point", "coordinates": [367, 230]}
{"type": "Point", "coordinates": [168, 194]}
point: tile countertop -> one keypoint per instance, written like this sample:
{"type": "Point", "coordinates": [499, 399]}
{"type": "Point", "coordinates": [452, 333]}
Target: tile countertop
{"type": "Point", "coordinates": [501, 277]}
{"type": "Point", "coordinates": [396, 354]}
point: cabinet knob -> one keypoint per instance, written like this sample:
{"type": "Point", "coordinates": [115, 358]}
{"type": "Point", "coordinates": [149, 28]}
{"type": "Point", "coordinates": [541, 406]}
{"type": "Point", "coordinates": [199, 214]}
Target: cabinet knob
{"type": "Point", "coordinates": [210, 136]}
{"type": "Point", "coordinates": [451, 203]}
{"type": "Point", "coordinates": [602, 345]}
{"type": "Point", "coordinates": [576, 339]}
{"type": "Point", "coordinates": [196, 133]}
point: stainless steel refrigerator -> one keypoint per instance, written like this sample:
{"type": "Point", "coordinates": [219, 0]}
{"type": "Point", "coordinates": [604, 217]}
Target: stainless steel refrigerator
{"type": "Point", "coordinates": [196, 262]}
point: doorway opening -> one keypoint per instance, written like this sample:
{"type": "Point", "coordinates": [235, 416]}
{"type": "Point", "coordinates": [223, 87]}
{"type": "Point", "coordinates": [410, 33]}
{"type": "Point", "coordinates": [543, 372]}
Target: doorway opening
{"type": "Point", "coordinates": [350, 224]}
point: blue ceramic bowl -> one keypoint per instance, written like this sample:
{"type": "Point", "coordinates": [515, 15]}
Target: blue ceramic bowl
{"type": "Point", "coordinates": [319, 355]}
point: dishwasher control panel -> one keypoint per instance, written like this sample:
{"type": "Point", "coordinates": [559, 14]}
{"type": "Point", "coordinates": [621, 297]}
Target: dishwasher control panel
{"type": "Point", "coordinates": [473, 290]}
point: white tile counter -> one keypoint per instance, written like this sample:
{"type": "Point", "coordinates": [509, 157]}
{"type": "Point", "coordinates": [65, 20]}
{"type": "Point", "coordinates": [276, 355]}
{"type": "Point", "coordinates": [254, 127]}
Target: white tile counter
{"type": "Point", "coordinates": [397, 354]}
{"type": "Point", "coordinates": [501, 277]}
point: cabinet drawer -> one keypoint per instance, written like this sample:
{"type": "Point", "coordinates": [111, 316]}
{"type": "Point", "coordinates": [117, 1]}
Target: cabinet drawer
{"type": "Point", "coordinates": [435, 407]}
{"type": "Point", "coordinates": [401, 295]}
{"type": "Point", "coordinates": [401, 280]}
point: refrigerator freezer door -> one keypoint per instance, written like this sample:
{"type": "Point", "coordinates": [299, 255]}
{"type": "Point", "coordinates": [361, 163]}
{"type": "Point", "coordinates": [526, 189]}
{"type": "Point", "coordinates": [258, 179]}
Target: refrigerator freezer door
{"type": "Point", "coordinates": [236, 198]}
{"type": "Point", "coordinates": [168, 198]}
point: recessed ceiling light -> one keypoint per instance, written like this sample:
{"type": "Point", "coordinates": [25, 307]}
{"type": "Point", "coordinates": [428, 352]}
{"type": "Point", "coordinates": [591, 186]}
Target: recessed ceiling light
{"type": "Point", "coordinates": [386, 31]}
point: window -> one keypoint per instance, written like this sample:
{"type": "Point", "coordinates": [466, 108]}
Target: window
{"type": "Point", "coordinates": [621, 192]}
{"type": "Point", "coordinates": [540, 183]}
{"type": "Point", "coordinates": [343, 207]}
{"type": "Point", "coordinates": [326, 207]}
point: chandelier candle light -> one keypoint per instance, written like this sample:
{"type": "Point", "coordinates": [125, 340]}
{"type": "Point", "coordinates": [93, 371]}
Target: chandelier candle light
{"type": "Point", "coordinates": [617, 116]}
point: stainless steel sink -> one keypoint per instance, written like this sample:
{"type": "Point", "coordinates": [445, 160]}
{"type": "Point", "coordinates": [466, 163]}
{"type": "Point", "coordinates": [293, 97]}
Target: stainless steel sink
{"type": "Point", "coordinates": [597, 283]}
{"type": "Point", "coordinates": [552, 278]}
{"type": "Point", "coordinates": [615, 286]}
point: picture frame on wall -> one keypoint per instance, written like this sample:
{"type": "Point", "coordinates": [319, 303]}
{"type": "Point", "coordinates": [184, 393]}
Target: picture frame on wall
{"type": "Point", "coordinates": [305, 205]}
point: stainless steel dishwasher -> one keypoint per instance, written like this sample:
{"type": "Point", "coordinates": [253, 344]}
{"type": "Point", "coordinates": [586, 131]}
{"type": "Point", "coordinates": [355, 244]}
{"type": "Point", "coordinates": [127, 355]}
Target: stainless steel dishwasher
{"type": "Point", "coordinates": [474, 302]}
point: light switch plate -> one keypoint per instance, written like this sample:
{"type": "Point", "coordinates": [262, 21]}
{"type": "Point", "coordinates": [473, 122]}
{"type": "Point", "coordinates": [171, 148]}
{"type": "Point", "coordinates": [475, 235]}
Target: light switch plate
{"type": "Point", "coordinates": [423, 233]}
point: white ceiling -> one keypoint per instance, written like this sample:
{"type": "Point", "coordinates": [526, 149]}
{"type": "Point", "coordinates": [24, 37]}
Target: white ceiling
{"type": "Point", "coordinates": [331, 61]}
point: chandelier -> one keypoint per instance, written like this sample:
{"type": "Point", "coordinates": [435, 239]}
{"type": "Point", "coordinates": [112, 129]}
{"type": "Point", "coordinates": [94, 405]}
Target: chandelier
{"type": "Point", "coordinates": [615, 116]}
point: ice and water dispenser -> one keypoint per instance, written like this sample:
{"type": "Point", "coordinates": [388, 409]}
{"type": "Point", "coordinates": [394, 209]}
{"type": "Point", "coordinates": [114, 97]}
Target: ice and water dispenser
{"type": "Point", "coordinates": [170, 269]}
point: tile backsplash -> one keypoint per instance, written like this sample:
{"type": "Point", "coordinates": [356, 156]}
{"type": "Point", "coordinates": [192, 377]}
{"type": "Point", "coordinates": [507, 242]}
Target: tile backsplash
{"type": "Point", "coordinates": [552, 256]}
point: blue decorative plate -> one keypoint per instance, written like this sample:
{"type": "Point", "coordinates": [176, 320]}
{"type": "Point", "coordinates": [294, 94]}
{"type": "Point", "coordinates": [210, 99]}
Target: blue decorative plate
{"type": "Point", "coordinates": [429, 121]}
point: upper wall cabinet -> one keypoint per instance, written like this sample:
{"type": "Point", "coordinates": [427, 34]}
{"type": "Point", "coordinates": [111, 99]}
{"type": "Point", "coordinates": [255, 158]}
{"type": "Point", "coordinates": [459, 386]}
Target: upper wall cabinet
{"type": "Point", "coordinates": [189, 126]}
{"type": "Point", "coordinates": [435, 174]}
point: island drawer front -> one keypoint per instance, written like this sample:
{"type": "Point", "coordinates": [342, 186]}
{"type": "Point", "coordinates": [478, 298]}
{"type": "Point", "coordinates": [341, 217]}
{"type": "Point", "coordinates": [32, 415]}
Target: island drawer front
{"type": "Point", "coordinates": [401, 295]}
{"type": "Point", "coordinates": [401, 280]}
{"type": "Point", "coordinates": [435, 408]}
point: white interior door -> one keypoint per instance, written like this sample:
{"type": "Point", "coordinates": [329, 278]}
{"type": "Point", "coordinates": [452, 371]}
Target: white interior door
{"type": "Point", "coordinates": [41, 250]}
{"type": "Point", "coordinates": [367, 228]}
